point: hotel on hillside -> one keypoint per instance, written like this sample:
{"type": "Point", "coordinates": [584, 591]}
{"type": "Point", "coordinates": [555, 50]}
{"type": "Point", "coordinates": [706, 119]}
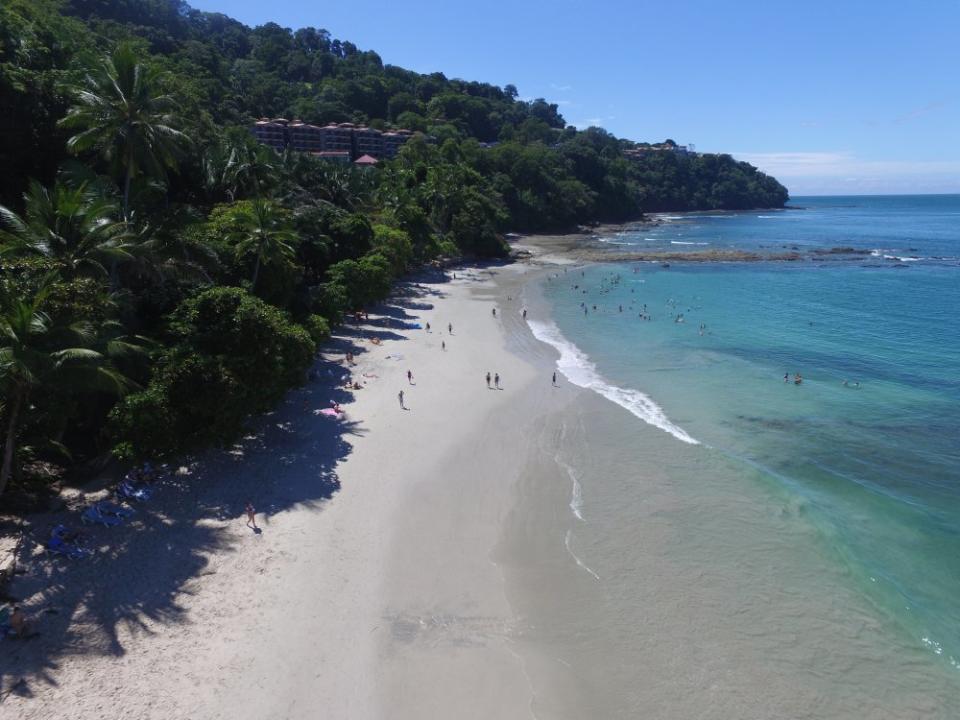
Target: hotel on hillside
{"type": "Point", "coordinates": [339, 142]}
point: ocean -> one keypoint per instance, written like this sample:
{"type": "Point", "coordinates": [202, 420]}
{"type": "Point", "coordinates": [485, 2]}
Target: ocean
{"type": "Point", "coordinates": [737, 544]}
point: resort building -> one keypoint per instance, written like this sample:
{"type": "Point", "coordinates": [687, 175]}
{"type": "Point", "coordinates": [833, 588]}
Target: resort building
{"type": "Point", "coordinates": [271, 132]}
{"type": "Point", "coordinates": [338, 137]}
{"type": "Point", "coordinates": [331, 140]}
{"type": "Point", "coordinates": [393, 140]}
{"type": "Point", "coordinates": [367, 141]}
{"type": "Point", "coordinates": [304, 137]}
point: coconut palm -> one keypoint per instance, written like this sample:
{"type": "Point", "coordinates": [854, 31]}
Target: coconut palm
{"type": "Point", "coordinates": [34, 353]}
{"type": "Point", "coordinates": [75, 227]}
{"type": "Point", "coordinates": [239, 169]}
{"type": "Point", "coordinates": [162, 250]}
{"type": "Point", "coordinates": [262, 231]}
{"type": "Point", "coordinates": [122, 114]}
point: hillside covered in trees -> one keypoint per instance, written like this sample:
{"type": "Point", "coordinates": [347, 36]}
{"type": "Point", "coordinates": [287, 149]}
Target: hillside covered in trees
{"type": "Point", "coordinates": [164, 276]}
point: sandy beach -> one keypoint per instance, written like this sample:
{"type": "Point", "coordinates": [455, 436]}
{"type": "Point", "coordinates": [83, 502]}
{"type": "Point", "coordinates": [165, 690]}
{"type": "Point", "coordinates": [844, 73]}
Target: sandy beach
{"type": "Point", "coordinates": [371, 591]}
{"type": "Point", "coordinates": [438, 560]}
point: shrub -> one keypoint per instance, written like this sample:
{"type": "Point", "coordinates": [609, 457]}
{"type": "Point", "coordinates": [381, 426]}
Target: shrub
{"type": "Point", "coordinates": [318, 328]}
{"type": "Point", "coordinates": [366, 280]}
{"type": "Point", "coordinates": [233, 355]}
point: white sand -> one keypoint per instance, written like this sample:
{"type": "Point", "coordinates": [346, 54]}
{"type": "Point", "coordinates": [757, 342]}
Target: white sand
{"type": "Point", "coordinates": [381, 601]}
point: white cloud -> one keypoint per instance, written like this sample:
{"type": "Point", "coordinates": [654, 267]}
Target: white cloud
{"type": "Point", "coordinates": [592, 122]}
{"type": "Point", "coordinates": [813, 172]}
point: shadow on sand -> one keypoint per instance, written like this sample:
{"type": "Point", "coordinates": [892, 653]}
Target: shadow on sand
{"type": "Point", "coordinates": [141, 568]}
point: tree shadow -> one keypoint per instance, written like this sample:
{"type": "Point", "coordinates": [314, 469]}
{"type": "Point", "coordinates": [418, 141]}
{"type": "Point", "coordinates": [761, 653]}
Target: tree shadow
{"type": "Point", "coordinates": [140, 568]}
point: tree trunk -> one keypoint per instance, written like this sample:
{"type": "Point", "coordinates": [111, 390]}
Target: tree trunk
{"type": "Point", "coordinates": [9, 445]}
{"type": "Point", "coordinates": [126, 192]}
{"type": "Point", "coordinates": [256, 272]}
{"type": "Point", "coordinates": [126, 218]}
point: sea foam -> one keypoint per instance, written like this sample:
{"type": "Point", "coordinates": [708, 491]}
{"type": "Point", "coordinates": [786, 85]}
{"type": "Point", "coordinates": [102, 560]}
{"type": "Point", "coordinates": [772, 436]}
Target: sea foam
{"type": "Point", "coordinates": [576, 493]}
{"type": "Point", "coordinates": [577, 367]}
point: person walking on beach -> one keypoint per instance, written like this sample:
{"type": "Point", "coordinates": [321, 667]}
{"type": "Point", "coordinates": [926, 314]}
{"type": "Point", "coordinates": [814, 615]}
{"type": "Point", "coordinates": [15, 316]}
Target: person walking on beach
{"type": "Point", "coordinates": [494, 311]}
{"type": "Point", "coordinates": [488, 381]}
{"type": "Point", "coordinates": [400, 398]}
{"type": "Point", "coordinates": [450, 328]}
{"type": "Point", "coordinates": [554, 377]}
{"type": "Point", "coordinates": [251, 516]}
{"type": "Point", "coordinates": [443, 345]}
{"type": "Point", "coordinates": [428, 327]}
{"type": "Point", "coordinates": [524, 313]}
{"type": "Point", "coordinates": [17, 623]}
{"type": "Point", "coordinates": [410, 376]}
{"type": "Point", "coordinates": [496, 380]}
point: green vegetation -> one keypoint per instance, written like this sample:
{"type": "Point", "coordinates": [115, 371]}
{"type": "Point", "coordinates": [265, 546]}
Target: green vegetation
{"type": "Point", "coordinates": [136, 204]}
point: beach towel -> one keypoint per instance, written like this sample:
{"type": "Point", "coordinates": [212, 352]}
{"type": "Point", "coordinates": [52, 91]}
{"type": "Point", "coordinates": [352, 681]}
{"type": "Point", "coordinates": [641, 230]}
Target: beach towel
{"type": "Point", "coordinates": [127, 490]}
{"type": "Point", "coordinates": [106, 507]}
{"type": "Point", "coordinates": [58, 546]}
{"type": "Point", "coordinates": [93, 515]}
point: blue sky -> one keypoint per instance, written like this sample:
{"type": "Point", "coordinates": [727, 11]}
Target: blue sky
{"type": "Point", "coordinates": [831, 97]}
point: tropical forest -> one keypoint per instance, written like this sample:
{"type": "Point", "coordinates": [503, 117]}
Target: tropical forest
{"type": "Point", "coordinates": [166, 276]}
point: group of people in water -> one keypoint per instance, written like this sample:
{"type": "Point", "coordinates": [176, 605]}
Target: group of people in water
{"type": "Point", "coordinates": [607, 284]}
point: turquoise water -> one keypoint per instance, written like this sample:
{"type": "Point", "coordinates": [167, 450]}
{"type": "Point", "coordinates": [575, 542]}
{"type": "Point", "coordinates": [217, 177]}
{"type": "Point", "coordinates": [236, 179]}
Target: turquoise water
{"type": "Point", "coordinates": [868, 446]}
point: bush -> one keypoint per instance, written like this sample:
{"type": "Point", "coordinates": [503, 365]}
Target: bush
{"type": "Point", "coordinates": [394, 245]}
{"type": "Point", "coordinates": [365, 281]}
{"type": "Point", "coordinates": [330, 300]}
{"type": "Point", "coordinates": [318, 329]}
{"type": "Point", "coordinates": [233, 355]}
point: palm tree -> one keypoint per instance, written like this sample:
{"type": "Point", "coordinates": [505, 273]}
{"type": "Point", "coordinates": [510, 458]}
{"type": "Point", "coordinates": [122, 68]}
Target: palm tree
{"type": "Point", "coordinates": [34, 352]}
{"type": "Point", "coordinates": [123, 115]}
{"type": "Point", "coordinates": [73, 226]}
{"type": "Point", "coordinates": [262, 230]}
{"type": "Point", "coordinates": [236, 169]}
{"type": "Point", "coordinates": [163, 250]}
